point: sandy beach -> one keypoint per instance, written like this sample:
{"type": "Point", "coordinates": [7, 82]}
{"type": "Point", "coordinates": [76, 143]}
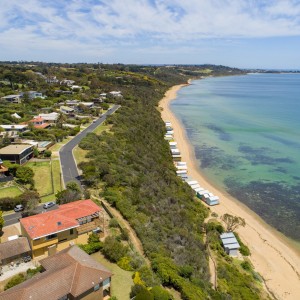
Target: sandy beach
{"type": "Point", "coordinates": [272, 256]}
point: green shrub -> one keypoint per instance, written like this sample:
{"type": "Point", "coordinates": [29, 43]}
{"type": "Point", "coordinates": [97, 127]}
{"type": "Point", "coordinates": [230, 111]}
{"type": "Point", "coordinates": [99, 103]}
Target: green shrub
{"type": "Point", "coordinates": [113, 223]}
{"type": "Point", "coordinates": [124, 263]}
{"type": "Point", "coordinates": [246, 265]}
{"type": "Point", "coordinates": [244, 250]}
{"type": "Point", "coordinates": [91, 248]}
{"type": "Point", "coordinates": [114, 250]}
{"type": "Point", "coordinates": [47, 153]}
{"type": "Point", "coordinates": [160, 293]}
{"type": "Point", "coordinates": [17, 279]}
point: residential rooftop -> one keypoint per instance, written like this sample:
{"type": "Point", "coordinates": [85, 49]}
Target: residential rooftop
{"type": "Point", "coordinates": [71, 272]}
{"type": "Point", "coordinates": [67, 216]}
{"type": "Point", "coordinates": [14, 149]}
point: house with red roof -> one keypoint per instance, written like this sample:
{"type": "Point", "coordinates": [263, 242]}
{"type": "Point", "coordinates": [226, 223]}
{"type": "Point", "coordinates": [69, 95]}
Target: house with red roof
{"type": "Point", "coordinates": [57, 229]}
{"type": "Point", "coordinates": [39, 122]}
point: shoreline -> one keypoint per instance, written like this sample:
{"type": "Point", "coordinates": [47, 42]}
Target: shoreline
{"type": "Point", "coordinates": [272, 254]}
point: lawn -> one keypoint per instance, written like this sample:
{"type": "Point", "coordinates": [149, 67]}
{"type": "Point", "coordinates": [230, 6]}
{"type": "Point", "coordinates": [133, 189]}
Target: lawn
{"type": "Point", "coordinates": [102, 128]}
{"type": "Point", "coordinates": [56, 172]}
{"type": "Point", "coordinates": [42, 176]}
{"type": "Point", "coordinates": [79, 155]}
{"type": "Point", "coordinates": [57, 146]}
{"type": "Point", "coordinates": [121, 281]}
{"type": "Point", "coordinates": [11, 191]}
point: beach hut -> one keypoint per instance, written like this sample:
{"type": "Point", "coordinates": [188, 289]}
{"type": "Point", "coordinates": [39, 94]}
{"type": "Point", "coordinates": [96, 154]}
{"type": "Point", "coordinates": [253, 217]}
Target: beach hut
{"type": "Point", "coordinates": [181, 163]}
{"type": "Point", "coordinates": [173, 145]}
{"type": "Point", "coordinates": [178, 172]}
{"type": "Point", "coordinates": [168, 137]}
{"type": "Point", "coordinates": [198, 190]}
{"type": "Point", "coordinates": [170, 132]}
{"type": "Point", "coordinates": [191, 182]}
{"type": "Point", "coordinates": [181, 167]}
{"type": "Point", "coordinates": [230, 243]}
{"type": "Point", "coordinates": [168, 123]}
{"type": "Point", "coordinates": [175, 151]}
{"type": "Point", "coordinates": [212, 200]}
{"type": "Point", "coordinates": [194, 186]}
{"type": "Point", "coordinates": [176, 157]}
{"type": "Point", "coordinates": [183, 176]}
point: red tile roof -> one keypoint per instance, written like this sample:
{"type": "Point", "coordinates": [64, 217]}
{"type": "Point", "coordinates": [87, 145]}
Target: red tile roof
{"type": "Point", "coordinates": [70, 272]}
{"type": "Point", "coordinates": [61, 219]}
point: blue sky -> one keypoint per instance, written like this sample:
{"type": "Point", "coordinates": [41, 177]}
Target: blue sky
{"type": "Point", "coordinates": [241, 33]}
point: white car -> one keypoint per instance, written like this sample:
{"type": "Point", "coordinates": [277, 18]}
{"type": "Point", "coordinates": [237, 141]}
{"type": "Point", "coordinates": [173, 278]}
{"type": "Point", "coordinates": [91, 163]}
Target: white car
{"type": "Point", "coordinates": [48, 204]}
{"type": "Point", "coordinates": [18, 207]}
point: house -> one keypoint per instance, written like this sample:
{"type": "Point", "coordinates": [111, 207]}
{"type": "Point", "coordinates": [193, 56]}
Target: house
{"type": "Point", "coordinates": [50, 118]}
{"type": "Point", "coordinates": [69, 274]}
{"type": "Point", "coordinates": [67, 82]}
{"type": "Point", "coordinates": [16, 128]}
{"type": "Point", "coordinates": [52, 79]}
{"type": "Point", "coordinates": [12, 98]}
{"type": "Point", "coordinates": [115, 94]}
{"type": "Point", "coordinates": [33, 95]}
{"type": "Point", "coordinates": [57, 229]}
{"type": "Point", "coordinates": [18, 154]}
{"type": "Point", "coordinates": [39, 123]}
{"type": "Point", "coordinates": [13, 250]}
{"type": "Point", "coordinates": [15, 115]}
{"type": "Point", "coordinates": [75, 87]}
{"type": "Point", "coordinates": [230, 243]}
{"type": "Point", "coordinates": [87, 104]}
{"type": "Point", "coordinates": [66, 110]}
{"type": "Point", "coordinates": [72, 102]}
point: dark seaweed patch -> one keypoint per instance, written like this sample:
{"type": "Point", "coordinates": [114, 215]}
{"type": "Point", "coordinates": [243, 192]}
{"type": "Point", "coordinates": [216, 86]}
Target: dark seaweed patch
{"type": "Point", "coordinates": [280, 140]}
{"type": "Point", "coordinates": [257, 156]}
{"type": "Point", "coordinates": [223, 135]}
{"type": "Point", "coordinates": [213, 157]}
{"type": "Point", "coordinates": [277, 203]}
{"type": "Point", "coordinates": [281, 170]}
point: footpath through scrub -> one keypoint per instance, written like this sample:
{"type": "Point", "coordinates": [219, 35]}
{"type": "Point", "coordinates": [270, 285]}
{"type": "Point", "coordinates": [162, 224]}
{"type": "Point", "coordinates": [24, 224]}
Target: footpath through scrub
{"type": "Point", "coordinates": [125, 224]}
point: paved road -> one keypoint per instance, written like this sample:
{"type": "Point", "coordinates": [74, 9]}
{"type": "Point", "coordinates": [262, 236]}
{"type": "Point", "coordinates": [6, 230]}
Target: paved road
{"type": "Point", "coordinates": [68, 164]}
{"type": "Point", "coordinates": [14, 217]}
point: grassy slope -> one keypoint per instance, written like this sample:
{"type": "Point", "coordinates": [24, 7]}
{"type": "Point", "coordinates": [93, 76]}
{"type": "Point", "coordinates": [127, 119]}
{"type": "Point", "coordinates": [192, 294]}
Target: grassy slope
{"type": "Point", "coordinates": [11, 191]}
{"type": "Point", "coordinates": [121, 280]}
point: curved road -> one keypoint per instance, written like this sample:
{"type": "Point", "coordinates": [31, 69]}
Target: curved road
{"type": "Point", "coordinates": [67, 160]}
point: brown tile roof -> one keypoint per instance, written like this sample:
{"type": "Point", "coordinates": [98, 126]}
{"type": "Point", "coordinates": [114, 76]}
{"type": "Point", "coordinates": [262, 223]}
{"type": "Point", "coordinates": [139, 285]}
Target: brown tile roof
{"type": "Point", "coordinates": [63, 218]}
{"type": "Point", "coordinates": [70, 271]}
{"type": "Point", "coordinates": [14, 248]}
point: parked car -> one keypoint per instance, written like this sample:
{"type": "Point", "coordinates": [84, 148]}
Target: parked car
{"type": "Point", "coordinates": [48, 204]}
{"type": "Point", "coordinates": [18, 207]}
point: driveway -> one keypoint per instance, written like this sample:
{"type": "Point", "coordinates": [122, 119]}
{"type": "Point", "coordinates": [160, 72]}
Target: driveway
{"type": "Point", "coordinates": [67, 160]}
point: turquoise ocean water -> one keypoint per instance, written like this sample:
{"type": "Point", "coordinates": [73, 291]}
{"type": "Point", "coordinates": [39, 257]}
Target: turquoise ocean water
{"type": "Point", "coordinates": [246, 135]}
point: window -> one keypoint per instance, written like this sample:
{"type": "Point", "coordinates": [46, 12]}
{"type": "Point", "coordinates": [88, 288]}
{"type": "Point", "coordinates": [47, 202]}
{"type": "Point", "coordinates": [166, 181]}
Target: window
{"type": "Point", "coordinates": [97, 287]}
{"type": "Point", "coordinates": [51, 236]}
{"type": "Point", "coordinates": [71, 231]}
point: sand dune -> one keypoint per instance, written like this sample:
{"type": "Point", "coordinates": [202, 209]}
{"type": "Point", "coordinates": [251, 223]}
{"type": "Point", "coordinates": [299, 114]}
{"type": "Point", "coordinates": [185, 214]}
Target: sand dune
{"type": "Point", "coordinates": [271, 254]}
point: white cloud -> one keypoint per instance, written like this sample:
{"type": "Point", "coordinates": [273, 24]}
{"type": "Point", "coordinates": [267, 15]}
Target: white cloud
{"type": "Point", "coordinates": [91, 24]}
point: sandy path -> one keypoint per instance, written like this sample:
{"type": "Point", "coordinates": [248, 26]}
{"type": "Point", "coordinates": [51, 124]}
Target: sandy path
{"type": "Point", "coordinates": [272, 256]}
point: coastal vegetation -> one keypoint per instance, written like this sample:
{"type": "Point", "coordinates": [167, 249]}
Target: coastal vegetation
{"type": "Point", "coordinates": [131, 167]}
{"type": "Point", "coordinates": [135, 164]}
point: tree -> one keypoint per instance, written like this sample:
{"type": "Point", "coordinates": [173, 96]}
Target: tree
{"type": "Point", "coordinates": [60, 120]}
{"type": "Point", "coordinates": [233, 222]}
{"type": "Point", "coordinates": [30, 200]}
{"type": "Point", "coordinates": [1, 220]}
{"type": "Point", "coordinates": [35, 152]}
{"type": "Point", "coordinates": [73, 186]}
{"type": "Point", "coordinates": [25, 175]}
{"type": "Point", "coordinates": [70, 194]}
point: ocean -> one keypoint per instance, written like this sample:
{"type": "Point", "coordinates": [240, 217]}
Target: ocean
{"type": "Point", "coordinates": [246, 134]}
